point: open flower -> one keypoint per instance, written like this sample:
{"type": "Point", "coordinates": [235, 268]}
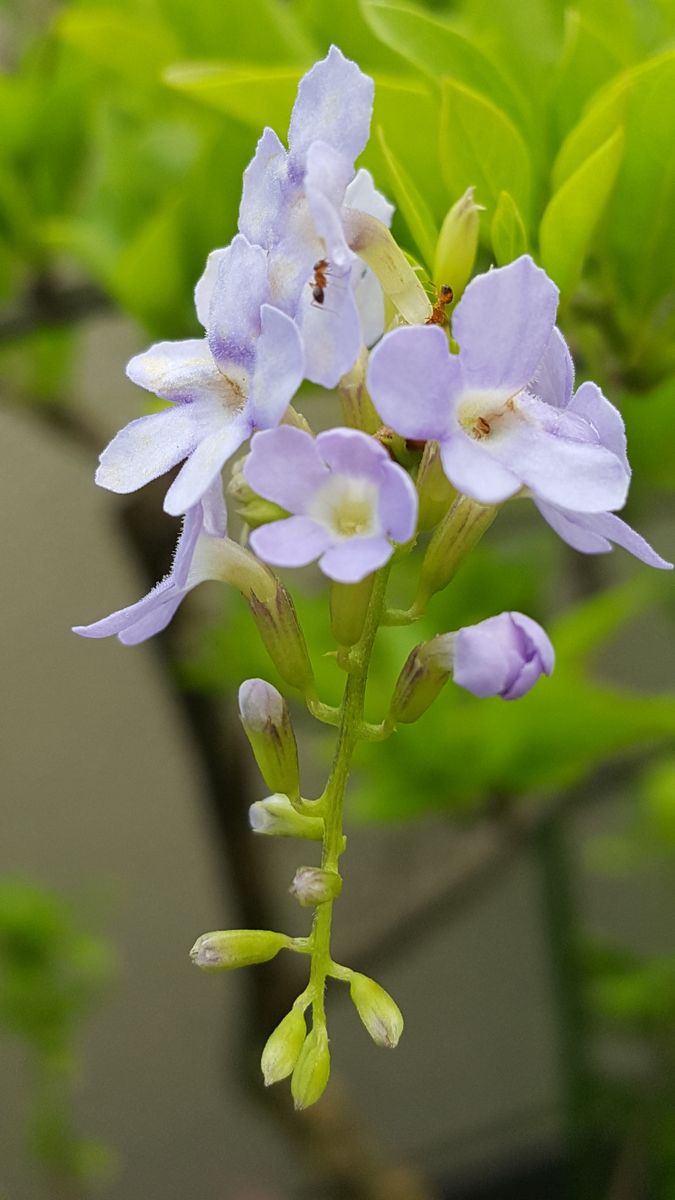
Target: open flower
{"type": "Point", "coordinates": [497, 408]}
{"type": "Point", "coordinates": [203, 552]}
{"type": "Point", "coordinates": [293, 204]}
{"type": "Point", "coordinates": [240, 377]}
{"type": "Point", "coordinates": [348, 499]}
{"type": "Point", "coordinates": [503, 656]}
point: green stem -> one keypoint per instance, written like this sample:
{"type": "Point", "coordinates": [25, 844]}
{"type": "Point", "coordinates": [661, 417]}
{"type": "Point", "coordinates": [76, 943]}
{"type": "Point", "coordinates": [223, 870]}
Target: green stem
{"type": "Point", "coordinates": [350, 729]}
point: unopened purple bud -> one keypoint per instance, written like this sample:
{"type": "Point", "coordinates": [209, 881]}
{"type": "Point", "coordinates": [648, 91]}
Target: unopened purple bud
{"type": "Point", "coordinates": [503, 656]}
{"type": "Point", "coordinates": [267, 722]}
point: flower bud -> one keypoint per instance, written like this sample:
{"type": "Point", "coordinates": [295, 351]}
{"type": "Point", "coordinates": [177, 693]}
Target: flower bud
{"type": "Point", "coordinates": [434, 489]}
{"type": "Point", "coordinates": [276, 817]}
{"type": "Point", "coordinates": [380, 1015]}
{"type": "Point", "coordinates": [373, 242]}
{"type": "Point", "coordinates": [267, 724]}
{"type": "Point", "coordinates": [251, 508]}
{"type": "Point", "coordinates": [424, 673]}
{"type": "Point", "coordinates": [357, 407]}
{"type": "Point", "coordinates": [312, 885]}
{"type": "Point", "coordinates": [283, 1047]}
{"type": "Point", "coordinates": [348, 609]}
{"type": "Point", "coordinates": [503, 656]}
{"type": "Point", "coordinates": [230, 948]}
{"type": "Point", "coordinates": [312, 1069]}
{"type": "Point", "coordinates": [280, 631]}
{"type": "Point", "coordinates": [459, 531]}
{"type": "Point", "coordinates": [458, 243]}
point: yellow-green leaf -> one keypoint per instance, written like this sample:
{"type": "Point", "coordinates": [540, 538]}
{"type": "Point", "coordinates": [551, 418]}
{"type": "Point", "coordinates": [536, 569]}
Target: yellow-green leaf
{"type": "Point", "coordinates": [411, 204]}
{"type": "Point", "coordinates": [255, 95]}
{"type": "Point", "coordinates": [573, 213]}
{"type": "Point", "coordinates": [509, 239]}
{"type": "Point", "coordinates": [480, 146]}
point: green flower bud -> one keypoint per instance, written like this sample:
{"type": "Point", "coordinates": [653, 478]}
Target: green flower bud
{"type": "Point", "coordinates": [434, 489]}
{"type": "Point", "coordinates": [276, 817]}
{"type": "Point", "coordinates": [457, 244]}
{"type": "Point", "coordinates": [283, 1047]}
{"type": "Point", "coordinates": [425, 671]}
{"type": "Point", "coordinates": [284, 641]}
{"type": "Point", "coordinates": [348, 608]}
{"type": "Point", "coordinates": [460, 530]}
{"type": "Point", "coordinates": [230, 948]}
{"type": "Point", "coordinates": [312, 1069]}
{"type": "Point", "coordinates": [251, 508]}
{"type": "Point", "coordinates": [267, 723]}
{"type": "Point", "coordinates": [312, 886]}
{"type": "Point", "coordinates": [357, 407]}
{"type": "Point", "coordinates": [380, 1015]}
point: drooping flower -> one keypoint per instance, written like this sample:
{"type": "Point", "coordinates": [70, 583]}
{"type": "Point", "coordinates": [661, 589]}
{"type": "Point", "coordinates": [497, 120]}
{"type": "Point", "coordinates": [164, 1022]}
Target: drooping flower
{"type": "Point", "coordinates": [203, 552]}
{"type": "Point", "coordinates": [293, 204]}
{"type": "Point", "coordinates": [502, 656]}
{"type": "Point", "coordinates": [348, 501]}
{"type": "Point", "coordinates": [240, 377]}
{"type": "Point", "coordinates": [497, 408]}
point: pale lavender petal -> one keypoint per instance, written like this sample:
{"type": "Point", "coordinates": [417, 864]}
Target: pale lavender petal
{"type": "Point", "coordinates": [284, 466]}
{"type": "Point", "coordinates": [412, 380]}
{"type": "Point", "coordinates": [204, 464]}
{"type": "Point", "coordinates": [334, 104]}
{"type": "Point", "coordinates": [331, 332]}
{"type": "Point", "coordinates": [503, 324]}
{"type": "Point", "coordinates": [474, 471]}
{"type": "Point", "coordinates": [351, 452]}
{"type": "Point", "coordinates": [398, 503]}
{"type": "Point", "coordinates": [326, 179]}
{"type": "Point", "coordinates": [369, 299]}
{"type": "Point", "coordinates": [588, 402]}
{"type": "Point", "coordinates": [593, 533]}
{"type": "Point", "coordinates": [151, 622]}
{"type": "Point", "coordinates": [177, 371]}
{"type": "Point", "coordinates": [266, 193]}
{"type": "Point", "coordinates": [146, 448]}
{"type": "Point", "coordinates": [279, 368]}
{"type": "Point", "coordinates": [193, 523]}
{"type": "Point", "coordinates": [503, 656]}
{"type": "Point", "coordinates": [554, 377]}
{"type": "Point", "coordinates": [164, 595]}
{"type": "Point", "coordinates": [293, 542]}
{"type": "Point", "coordinates": [579, 475]}
{"type": "Point", "coordinates": [351, 561]}
{"type": "Point", "coordinates": [234, 313]}
{"type": "Point", "coordinates": [363, 195]}
{"type": "Point", "coordinates": [214, 510]}
{"type": "Point", "coordinates": [206, 285]}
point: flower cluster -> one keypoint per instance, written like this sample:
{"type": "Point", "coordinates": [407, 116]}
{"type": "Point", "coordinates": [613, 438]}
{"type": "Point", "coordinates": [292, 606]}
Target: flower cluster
{"type": "Point", "coordinates": [438, 434]}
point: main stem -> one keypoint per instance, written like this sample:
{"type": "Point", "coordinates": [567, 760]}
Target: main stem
{"type": "Point", "coordinates": [349, 731]}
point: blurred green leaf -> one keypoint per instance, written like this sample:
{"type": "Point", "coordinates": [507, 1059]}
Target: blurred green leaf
{"type": "Point", "coordinates": [509, 239]}
{"type": "Point", "coordinates": [412, 205]}
{"type": "Point", "coordinates": [148, 278]}
{"type": "Point", "coordinates": [128, 44]}
{"type": "Point", "coordinates": [255, 31]}
{"type": "Point", "coordinates": [588, 61]}
{"type": "Point", "coordinates": [480, 146]}
{"type": "Point", "coordinates": [575, 211]}
{"type": "Point", "coordinates": [600, 120]}
{"type": "Point", "coordinates": [255, 95]}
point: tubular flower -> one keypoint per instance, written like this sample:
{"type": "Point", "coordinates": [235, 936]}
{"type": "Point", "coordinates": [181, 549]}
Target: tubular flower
{"type": "Point", "coordinates": [497, 408]}
{"type": "Point", "coordinates": [348, 501]}
{"type": "Point", "coordinates": [293, 204]}
{"type": "Point", "coordinates": [203, 552]}
{"type": "Point", "coordinates": [240, 377]}
{"type": "Point", "coordinates": [503, 656]}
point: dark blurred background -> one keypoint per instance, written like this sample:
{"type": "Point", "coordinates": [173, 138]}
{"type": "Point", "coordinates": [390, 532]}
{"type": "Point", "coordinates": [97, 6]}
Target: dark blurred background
{"type": "Point", "coordinates": [510, 867]}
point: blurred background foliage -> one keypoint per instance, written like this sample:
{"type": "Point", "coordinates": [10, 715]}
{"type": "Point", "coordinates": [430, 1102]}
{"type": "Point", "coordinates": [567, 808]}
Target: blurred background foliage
{"type": "Point", "coordinates": [125, 131]}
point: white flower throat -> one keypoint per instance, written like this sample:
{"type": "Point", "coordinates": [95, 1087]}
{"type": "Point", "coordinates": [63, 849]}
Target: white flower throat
{"type": "Point", "coordinates": [347, 506]}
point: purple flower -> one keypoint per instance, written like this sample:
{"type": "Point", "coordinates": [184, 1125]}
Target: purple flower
{"type": "Point", "coordinates": [292, 205]}
{"type": "Point", "coordinates": [348, 499]}
{"type": "Point", "coordinates": [503, 656]}
{"type": "Point", "coordinates": [195, 560]}
{"type": "Point", "coordinates": [501, 409]}
{"type": "Point", "coordinates": [242, 376]}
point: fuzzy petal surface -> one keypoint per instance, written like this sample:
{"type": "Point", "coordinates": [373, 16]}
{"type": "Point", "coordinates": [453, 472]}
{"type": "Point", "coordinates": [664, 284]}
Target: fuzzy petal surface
{"type": "Point", "coordinates": [554, 377]}
{"type": "Point", "coordinates": [590, 403]}
{"type": "Point", "coordinates": [503, 324]}
{"type": "Point", "coordinates": [234, 312]}
{"type": "Point", "coordinates": [334, 105]}
{"type": "Point", "coordinates": [594, 533]}
{"type": "Point", "coordinates": [177, 371]}
{"type": "Point", "coordinates": [147, 448]}
{"type": "Point", "coordinates": [266, 194]}
{"type": "Point", "coordinates": [204, 464]}
{"type": "Point", "coordinates": [412, 379]}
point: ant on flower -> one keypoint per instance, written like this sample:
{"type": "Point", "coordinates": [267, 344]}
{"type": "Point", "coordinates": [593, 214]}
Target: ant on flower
{"type": "Point", "coordinates": [319, 282]}
{"type": "Point", "coordinates": [444, 297]}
